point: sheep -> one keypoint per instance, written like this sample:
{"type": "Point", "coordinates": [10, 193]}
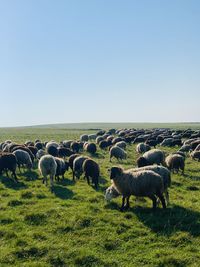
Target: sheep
{"type": "Point", "coordinates": [121, 144]}
{"type": "Point", "coordinates": [195, 155]}
{"type": "Point", "coordinates": [163, 172]}
{"type": "Point", "coordinates": [71, 160]}
{"type": "Point", "coordinates": [84, 138]}
{"type": "Point", "coordinates": [39, 145]}
{"type": "Point", "coordinates": [52, 150]}
{"type": "Point", "coordinates": [99, 139]}
{"type": "Point", "coordinates": [91, 148]}
{"type": "Point", "coordinates": [8, 162]}
{"type": "Point", "coordinates": [118, 153]}
{"type": "Point", "coordinates": [110, 193]}
{"type": "Point", "coordinates": [51, 143]}
{"type": "Point", "coordinates": [26, 149]}
{"type": "Point", "coordinates": [116, 140]}
{"type": "Point", "coordinates": [75, 147]}
{"type": "Point", "coordinates": [91, 170]}
{"type": "Point", "coordinates": [104, 144]}
{"type": "Point", "coordinates": [92, 136]}
{"type": "Point", "coordinates": [143, 183]}
{"type": "Point", "coordinates": [151, 142]}
{"type": "Point", "coordinates": [175, 162]}
{"type": "Point", "coordinates": [167, 142]}
{"type": "Point", "coordinates": [77, 166]}
{"type": "Point", "coordinates": [40, 153]}
{"type": "Point", "coordinates": [64, 152]}
{"type": "Point", "coordinates": [62, 167]}
{"type": "Point", "coordinates": [150, 157]}
{"type": "Point", "coordinates": [142, 147]}
{"type": "Point", "coordinates": [47, 166]}
{"type": "Point", "coordinates": [23, 158]}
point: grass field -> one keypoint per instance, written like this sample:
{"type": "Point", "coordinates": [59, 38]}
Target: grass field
{"type": "Point", "coordinates": [74, 226]}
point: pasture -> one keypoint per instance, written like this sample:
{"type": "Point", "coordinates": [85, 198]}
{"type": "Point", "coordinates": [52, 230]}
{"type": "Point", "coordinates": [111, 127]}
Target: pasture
{"type": "Point", "coordinates": [74, 226]}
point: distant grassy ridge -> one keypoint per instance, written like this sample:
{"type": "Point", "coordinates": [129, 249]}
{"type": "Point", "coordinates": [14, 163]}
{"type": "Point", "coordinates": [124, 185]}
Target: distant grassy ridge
{"type": "Point", "coordinates": [108, 125]}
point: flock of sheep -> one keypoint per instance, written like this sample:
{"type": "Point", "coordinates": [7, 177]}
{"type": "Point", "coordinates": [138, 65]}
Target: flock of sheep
{"type": "Point", "coordinates": [151, 178]}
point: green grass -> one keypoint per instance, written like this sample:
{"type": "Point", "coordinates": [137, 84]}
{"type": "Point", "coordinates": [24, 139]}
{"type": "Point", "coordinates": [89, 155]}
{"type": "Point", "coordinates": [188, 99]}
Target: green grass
{"type": "Point", "coordinates": [74, 226]}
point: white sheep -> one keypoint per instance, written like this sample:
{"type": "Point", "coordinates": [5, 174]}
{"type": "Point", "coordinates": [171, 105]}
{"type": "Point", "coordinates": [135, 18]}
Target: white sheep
{"type": "Point", "coordinates": [118, 153]}
{"type": "Point", "coordinates": [47, 166]}
{"type": "Point", "coordinates": [23, 158]}
{"type": "Point", "coordinates": [153, 156]}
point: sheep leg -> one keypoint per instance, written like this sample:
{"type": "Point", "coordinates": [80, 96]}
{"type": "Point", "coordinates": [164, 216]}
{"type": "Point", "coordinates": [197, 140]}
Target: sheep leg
{"type": "Point", "coordinates": [51, 182]}
{"type": "Point", "coordinates": [123, 201]}
{"type": "Point", "coordinates": [127, 206]}
{"type": "Point", "coordinates": [88, 180]}
{"type": "Point", "coordinates": [7, 173]}
{"type": "Point", "coordinates": [167, 197]}
{"type": "Point", "coordinates": [162, 199]}
{"type": "Point", "coordinates": [153, 198]}
{"type": "Point", "coordinates": [73, 175]}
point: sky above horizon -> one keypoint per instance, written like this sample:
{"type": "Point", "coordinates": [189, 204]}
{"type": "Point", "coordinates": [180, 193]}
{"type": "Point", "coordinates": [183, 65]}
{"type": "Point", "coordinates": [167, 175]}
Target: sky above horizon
{"type": "Point", "coordinates": [99, 61]}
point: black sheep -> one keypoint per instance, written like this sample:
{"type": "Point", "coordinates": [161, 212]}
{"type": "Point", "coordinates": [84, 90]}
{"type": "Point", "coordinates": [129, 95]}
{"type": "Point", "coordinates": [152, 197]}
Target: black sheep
{"type": "Point", "coordinates": [91, 170]}
{"type": "Point", "coordinates": [8, 162]}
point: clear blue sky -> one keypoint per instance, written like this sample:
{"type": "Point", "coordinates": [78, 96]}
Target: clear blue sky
{"type": "Point", "coordinates": [99, 61]}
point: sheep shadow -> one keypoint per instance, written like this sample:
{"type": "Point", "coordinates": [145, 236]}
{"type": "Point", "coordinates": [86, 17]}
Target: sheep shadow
{"type": "Point", "coordinates": [66, 182]}
{"type": "Point", "coordinates": [31, 175]}
{"type": "Point", "coordinates": [192, 177]}
{"type": "Point", "coordinates": [10, 183]}
{"type": "Point", "coordinates": [62, 192]}
{"type": "Point", "coordinates": [171, 220]}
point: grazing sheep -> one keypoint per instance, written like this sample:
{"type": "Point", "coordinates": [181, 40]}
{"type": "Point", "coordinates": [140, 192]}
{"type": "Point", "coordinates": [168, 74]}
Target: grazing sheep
{"type": "Point", "coordinates": [153, 156]}
{"type": "Point", "coordinates": [52, 143]}
{"type": "Point", "coordinates": [111, 193]}
{"type": "Point", "coordinates": [39, 145]}
{"type": "Point", "coordinates": [138, 183]}
{"type": "Point", "coordinates": [84, 138]}
{"type": "Point", "coordinates": [118, 153]}
{"type": "Point", "coordinates": [71, 160]}
{"type": "Point", "coordinates": [40, 153]}
{"type": "Point", "coordinates": [47, 166]}
{"type": "Point", "coordinates": [26, 149]}
{"type": "Point", "coordinates": [62, 167]}
{"type": "Point", "coordinates": [104, 144]}
{"type": "Point", "coordinates": [91, 148]}
{"type": "Point", "coordinates": [151, 142]}
{"type": "Point", "coordinates": [64, 152]}
{"type": "Point", "coordinates": [8, 162]}
{"type": "Point", "coordinates": [117, 139]}
{"type": "Point", "coordinates": [174, 162]}
{"type": "Point", "coordinates": [78, 166]}
{"type": "Point", "coordinates": [142, 148]}
{"type": "Point", "coordinates": [167, 142]}
{"type": "Point", "coordinates": [75, 147]}
{"type": "Point", "coordinates": [52, 150]}
{"type": "Point", "coordinates": [91, 170]}
{"type": "Point", "coordinates": [23, 158]}
{"type": "Point", "coordinates": [99, 139]}
{"type": "Point", "coordinates": [121, 144]}
{"type": "Point", "coordinates": [163, 172]}
{"type": "Point", "coordinates": [92, 136]}
{"type": "Point", "coordinates": [195, 155]}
